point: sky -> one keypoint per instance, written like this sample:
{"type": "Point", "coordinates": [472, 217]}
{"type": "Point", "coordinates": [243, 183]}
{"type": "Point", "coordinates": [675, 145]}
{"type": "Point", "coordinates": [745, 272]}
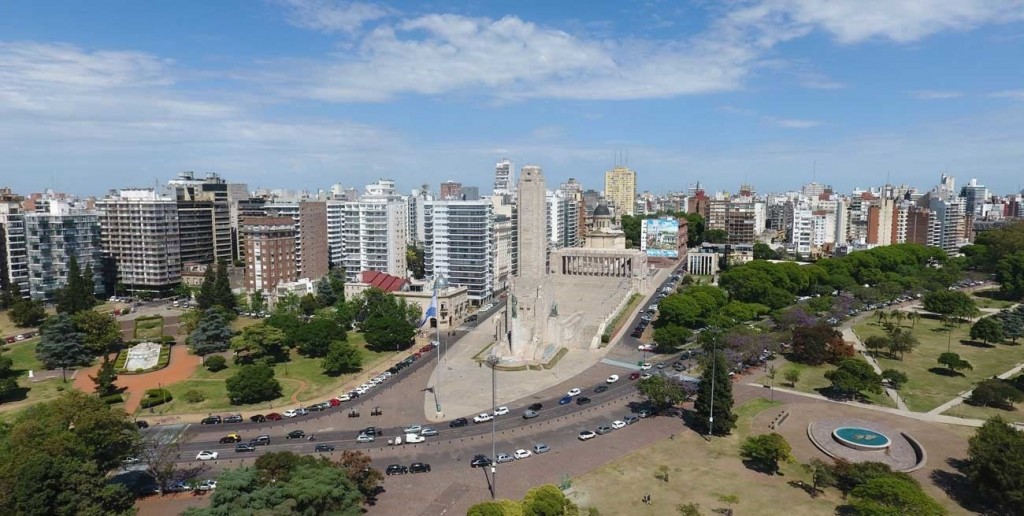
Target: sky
{"type": "Point", "coordinates": [303, 94]}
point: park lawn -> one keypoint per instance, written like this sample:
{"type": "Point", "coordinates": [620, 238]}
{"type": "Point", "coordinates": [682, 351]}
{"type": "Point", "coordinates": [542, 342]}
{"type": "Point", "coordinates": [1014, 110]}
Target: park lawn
{"type": "Point", "coordinates": [301, 377]}
{"type": "Point", "coordinates": [23, 356]}
{"type": "Point", "coordinates": [149, 329]}
{"type": "Point", "coordinates": [812, 380]}
{"type": "Point", "coordinates": [926, 389]}
{"type": "Point", "coordinates": [991, 299]}
{"type": "Point", "coordinates": [699, 472]}
{"type": "Point", "coordinates": [241, 323]}
{"type": "Point", "coordinates": [7, 326]}
{"type": "Point", "coordinates": [973, 412]}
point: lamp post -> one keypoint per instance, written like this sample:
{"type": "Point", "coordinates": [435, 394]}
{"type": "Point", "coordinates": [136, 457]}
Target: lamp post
{"type": "Point", "coordinates": [714, 372]}
{"type": "Point", "coordinates": [493, 361]}
{"type": "Point", "coordinates": [440, 282]}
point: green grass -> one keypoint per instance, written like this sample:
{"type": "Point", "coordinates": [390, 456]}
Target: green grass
{"type": "Point", "coordinates": [926, 389]}
{"type": "Point", "coordinates": [992, 301]}
{"type": "Point", "coordinates": [812, 379]}
{"type": "Point", "coordinates": [149, 328]}
{"type": "Point", "coordinates": [292, 374]}
{"type": "Point", "coordinates": [620, 318]}
{"type": "Point", "coordinates": [241, 323]}
{"type": "Point", "coordinates": [6, 326]}
{"type": "Point", "coordinates": [973, 412]}
{"type": "Point", "coordinates": [23, 356]}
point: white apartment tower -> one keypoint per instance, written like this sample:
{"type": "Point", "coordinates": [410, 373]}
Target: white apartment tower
{"type": "Point", "coordinates": [459, 242]}
{"type": "Point", "coordinates": [139, 231]}
{"type": "Point", "coordinates": [504, 183]}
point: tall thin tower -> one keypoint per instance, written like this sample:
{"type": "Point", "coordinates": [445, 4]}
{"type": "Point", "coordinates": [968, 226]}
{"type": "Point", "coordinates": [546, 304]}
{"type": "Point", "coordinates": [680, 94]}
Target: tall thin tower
{"type": "Point", "coordinates": [532, 224]}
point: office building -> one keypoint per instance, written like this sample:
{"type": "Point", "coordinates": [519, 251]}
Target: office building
{"type": "Point", "coordinates": [139, 233]}
{"type": "Point", "coordinates": [52, 238]}
{"type": "Point", "coordinates": [620, 190]}
{"type": "Point", "coordinates": [459, 244]}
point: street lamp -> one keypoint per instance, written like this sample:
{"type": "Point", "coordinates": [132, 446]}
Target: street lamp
{"type": "Point", "coordinates": [493, 362]}
{"type": "Point", "coordinates": [440, 282]}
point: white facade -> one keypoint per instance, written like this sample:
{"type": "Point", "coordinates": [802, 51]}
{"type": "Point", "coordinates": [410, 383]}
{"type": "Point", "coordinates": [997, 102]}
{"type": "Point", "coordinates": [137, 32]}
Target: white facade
{"type": "Point", "coordinates": [139, 231]}
{"type": "Point", "coordinates": [504, 183]}
{"type": "Point", "coordinates": [459, 243]}
{"type": "Point", "coordinates": [374, 235]}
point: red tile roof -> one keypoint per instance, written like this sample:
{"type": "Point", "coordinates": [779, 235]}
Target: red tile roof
{"type": "Point", "coordinates": [385, 282]}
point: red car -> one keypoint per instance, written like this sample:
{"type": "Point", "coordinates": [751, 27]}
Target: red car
{"type": "Point", "coordinates": [335, 402]}
{"type": "Point", "coordinates": [274, 416]}
{"type": "Point", "coordinates": [632, 376]}
{"type": "Point", "coordinates": [426, 348]}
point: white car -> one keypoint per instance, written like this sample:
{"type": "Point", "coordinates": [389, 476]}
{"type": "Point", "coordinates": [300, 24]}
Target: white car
{"type": "Point", "coordinates": [645, 366]}
{"type": "Point", "coordinates": [645, 347]}
{"type": "Point", "coordinates": [575, 391]}
{"type": "Point", "coordinates": [290, 413]}
{"type": "Point", "coordinates": [613, 378]}
{"type": "Point", "coordinates": [483, 418]}
{"type": "Point", "coordinates": [414, 438]}
{"type": "Point", "coordinates": [207, 455]}
{"type": "Point", "coordinates": [364, 438]}
{"type": "Point", "coordinates": [207, 485]}
{"type": "Point", "coordinates": [501, 411]}
{"type": "Point", "coordinates": [344, 397]}
{"type": "Point", "coordinates": [645, 376]}
{"type": "Point", "coordinates": [413, 429]}
{"type": "Point", "coordinates": [361, 390]}
{"type": "Point", "coordinates": [618, 423]}
{"type": "Point", "coordinates": [586, 434]}
{"type": "Point", "coordinates": [522, 454]}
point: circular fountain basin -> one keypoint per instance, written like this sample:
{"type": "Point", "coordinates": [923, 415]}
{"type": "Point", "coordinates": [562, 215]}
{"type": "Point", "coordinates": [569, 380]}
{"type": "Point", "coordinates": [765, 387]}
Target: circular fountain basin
{"type": "Point", "coordinates": [860, 438]}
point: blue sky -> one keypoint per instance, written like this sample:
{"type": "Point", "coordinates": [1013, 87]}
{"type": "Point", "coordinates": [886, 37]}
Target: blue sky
{"type": "Point", "coordinates": [306, 93]}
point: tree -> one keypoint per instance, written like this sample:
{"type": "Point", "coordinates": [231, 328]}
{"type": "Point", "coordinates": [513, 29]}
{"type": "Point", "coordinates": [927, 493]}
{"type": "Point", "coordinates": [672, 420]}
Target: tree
{"type": "Point", "coordinates": [101, 333]}
{"type": "Point", "coordinates": [631, 227]}
{"type": "Point", "coordinates": [62, 345]}
{"type": "Point", "coordinates": [1013, 322]}
{"type": "Point", "coordinates": [715, 372]}
{"type": "Point", "coordinates": [78, 293]}
{"type": "Point", "coordinates": [308, 304]}
{"type": "Point", "coordinates": [953, 303]}
{"type": "Point", "coordinates": [10, 293]}
{"type": "Point", "coordinates": [256, 301]}
{"type": "Point", "coordinates": [1010, 275]}
{"type": "Point", "coordinates": [815, 345]}
{"type": "Point", "coordinates": [901, 342]}
{"type": "Point", "coordinates": [853, 376]}
{"type": "Point", "coordinates": [359, 467]}
{"type": "Point", "coordinates": [548, 500]}
{"type": "Point", "coordinates": [183, 291]}
{"type": "Point", "coordinates": [212, 335]}
{"type": "Point", "coordinates": [253, 384]}
{"type": "Point", "coordinates": [716, 236]}
{"type": "Point", "coordinates": [893, 495]}
{"type": "Point", "coordinates": [258, 341]}
{"type": "Point", "coordinates": [988, 330]}
{"type": "Point", "coordinates": [189, 321]}
{"type": "Point", "coordinates": [895, 377]}
{"type": "Point", "coordinates": [387, 322]}
{"type": "Point", "coordinates": [821, 474]}
{"type": "Point", "coordinates": [324, 293]}
{"type": "Point", "coordinates": [206, 297]}
{"type": "Point", "coordinates": [415, 261]}
{"type": "Point", "coordinates": [222, 295]}
{"type": "Point", "coordinates": [995, 465]}
{"type": "Point", "coordinates": [876, 343]}
{"type": "Point", "coordinates": [954, 362]}
{"type": "Point", "coordinates": [671, 337]}
{"type": "Point", "coordinates": [995, 392]}
{"type": "Point", "coordinates": [27, 313]}
{"type": "Point", "coordinates": [314, 337]}
{"type": "Point", "coordinates": [765, 451]}
{"type": "Point", "coordinates": [8, 377]}
{"type": "Point", "coordinates": [342, 358]}
{"type": "Point", "coordinates": [792, 375]}
{"type": "Point", "coordinates": [216, 363]}
{"type": "Point", "coordinates": [764, 251]}
{"type": "Point", "coordinates": [661, 393]}
{"type": "Point", "coordinates": [105, 378]}
{"type": "Point", "coordinates": [688, 509]}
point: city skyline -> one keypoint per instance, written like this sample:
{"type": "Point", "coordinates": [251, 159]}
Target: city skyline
{"type": "Point", "coordinates": [306, 93]}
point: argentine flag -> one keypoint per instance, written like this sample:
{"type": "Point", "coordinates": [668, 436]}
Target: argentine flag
{"type": "Point", "coordinates": [431, 310]}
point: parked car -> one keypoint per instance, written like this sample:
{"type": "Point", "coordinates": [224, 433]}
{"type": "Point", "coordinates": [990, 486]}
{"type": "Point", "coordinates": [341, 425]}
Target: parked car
{"type": "Point", "coordinates": [504, 457]}
{"type": "Point", "coordinates": [501, 411]}
{"type": "Point", "coordinates": [645, 375]}
{"type": "Point", "coordinates": [207, 455]}
{"type": "Point", "coordinates": [419, 467]}
{"type": "Point", "coordinates": [234, 418]}
{"type": "Point", "coordinates": [479, 461]}
{"type": "Point", "coordinates": [458, 422]}
{"type": "Point", "coordinates": [618, 423]}
{"type": "Point", "coordinates": [206, 485]}
{"type": "Point", "coordinates": [645, 366]}
{"type": "Point", "coordinates": [634, 376]}
{"type": "Point", "coordinates": [323, 447]}
{"type": "Point", "coordinates": [258, 418]}
{"type": "Point", "coordinates": [586, 434]}
{"type": "Point", "coordinates": [541, 448]}
{"type": "Point", "coordinates": [274, 416]}
{"type": "Point", "coordinates": [212, 420]}
{"type": "Point", "coordinates": [429, 432]}
{"type": "Point", "coordinates": [295, 434]}
{"type": "Point", "coordinates": [412, 429]}
{"type": "Point", "coordinates": [604, 429]}
{"type": "Point", "coordinates": [290, 413]}
{"type": "Point", "coordinates": [396, 469]}
{"type": "Point", "coordinates": [141, 424]}
{"type": "Point", "coordinates": [522, 454]}
{"type": "Point", "coordinates": [630, 419]}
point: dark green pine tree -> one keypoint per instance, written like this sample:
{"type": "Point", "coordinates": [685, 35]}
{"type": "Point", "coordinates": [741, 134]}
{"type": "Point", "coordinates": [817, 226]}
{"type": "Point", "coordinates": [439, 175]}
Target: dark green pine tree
{"type": "Point", "coordinates": [89, 286]}
{"type": "Point", "coordinates": [205, 298]}
{"type": "Point", "coordinates": [105, 378]}
{"type": "Point", "coordinates": [724, 419]}
{"type": "Point", "coordinates": [76, 295]}
{"type": "Point", "coordinates": [222, 295]}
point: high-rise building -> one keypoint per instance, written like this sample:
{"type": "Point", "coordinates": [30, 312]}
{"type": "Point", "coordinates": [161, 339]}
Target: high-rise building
{"type": "Point", "coordinates": [470, 193]}
{"type": "Point", "coordinates": [620, 190]}
{"type": "Point", "coordinates": [504, 183]}
{"type": "Point", "coordinates": [374, 235]}
{"type": "Point", "coordinates": [450, 191]}
{"type": "Point", "coordinates": [975, 196]}
{"type": "Point", "coordinates": [52, 238]}
{"type": "Point", "coordinates": [459, 244]}
{"type": "Point", "coordinates": [270, 244]}
{"type": "Point", "coordinates": [204, 218]}
{"type": "Point", "coordinates": [139, 233]}
{"type": "Point", "coordinates": [13, 254]}
{"type": "Point", "coordinates": [312, 253]}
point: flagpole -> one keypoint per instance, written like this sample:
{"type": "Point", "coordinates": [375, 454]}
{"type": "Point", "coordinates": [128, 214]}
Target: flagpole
{"type": "Point", "coordinates": [437, 327]}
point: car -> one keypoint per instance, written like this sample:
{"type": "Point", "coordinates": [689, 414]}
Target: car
{"type": "Point", "coordinates": [530, 414]}
{"type": "Point", "coordinates": [334, 402]}
{"type": "Point", "coordinates": [230, 438]}
{"type": "Point", "coordinates": [179, 487]}
{"type": "Point", "coordinates": [245, 447]}
{"type": "Point", "coordinates": [396, 469]}
{"type": "Point", "coordinates": [604, 429]}
{"type": "Point", "coordinates": [455, 423]}
{"type": "Point", "coordinates": [644, 376]}
{"type": "Point", "coordinates": [483, 418]}
{"type": "Point", "coordinates": [419, 467]}
{"type": "Point", "coordinates": [207, 455]}
{"type": "Point", "coordinates": [141, 424]}
{"type": "Point", "coordinates": [295, 434]}
{"type": "Point", "coordinates": [618, 423]}
{"type": "Point", "coordinates": [212, 420]}
{"type": "Point", "coordinates": [426, 349]}
{"type": "Point", "coordinates": [678, 366]}
{"type": "Point", "coordinates": [302, 411]}
{"type": "Point", "coordinates": [260, 440]}
{"type": "Point", "coordinates": [586, 434]}
{"type": "Point", "coordinates": [565, 400]}
{"type": "Point", "coordinates": [323, 447]}
{"type": "Point", "coordinates": [645, 366]}
{"type": "Point", "coordinates": [412, 429]}
{"type": "Point", "coordinates": [600, 388]}
{"type": "Point", "coordinates": [541, 448]}
{"type": "Point", "coordinates": [258, 418]}
{"type": "Point", "coordinates": [504, 457]}
{"type": "Point", "coordinates": [612, 379]}
{"type": "Point", "coordinates": [274, 416]}
{"type": "Point", "coordinates": [582, 400]}
{"type": "Point", "coordinates": [536, 406]}
{"type": "Point", "coordinates": [206, 485]}
{"type": "Point", "coordinates": [644, 413]}
{"type": "Point", "coordinates": [661, 365]}
{"type": "Point", "coordinates": [429, 432]}
{"type": "Point", "coordinates": [501, 411]}
{"type": "Point", "coordinates": [290, 413]}
{"type": "Point", "coordinates": [324, 405]}
{"type": "Point", "coordinates": [235, 418]}
{"type": "Point", "coordinates": [414, 438]}
{"type": "Point", "coordinates": [575, 391]}
{"type": "Point", "coordinates": [630, 419]}
{"type": "Point", "coordinates": [646, 347]}
{"type": "Point", "coordinates": [522, 454]}
{"type": "Point", "coordinates": [344, 397]}
{"type": "Point", "coordinates": [372, 430]}
{"type": "Point", "coordinates": [364, 438]}
{"type": "Point", "coordinates": [634, 376]}
{"type": "Point", "coordinates": [479, 461]}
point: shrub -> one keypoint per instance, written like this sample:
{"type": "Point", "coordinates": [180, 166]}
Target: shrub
{"type": "Point", "coordinates": [194, 396]}
{"type": "Point", "coordinates": [156, 397]}
{"type": "Point", "coordinates": [216, 363]}
{"type": "Point", "coordinates": [112, 399]}
{"type": "Point", "coordinates": [122, 358]}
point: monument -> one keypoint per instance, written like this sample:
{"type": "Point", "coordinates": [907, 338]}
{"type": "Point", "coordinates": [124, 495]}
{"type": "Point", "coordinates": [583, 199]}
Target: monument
{"type": "Point", "coordinates": [144, 355]}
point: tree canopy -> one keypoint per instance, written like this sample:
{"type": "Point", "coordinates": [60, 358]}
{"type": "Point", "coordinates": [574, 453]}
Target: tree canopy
{"type": "Point", "coordinates": [951, 303]}
{"type": "Point", "coordinates": [854, 376]}
{"type": "Point", "coordinates": [766, 451]}
{"type": "Point", "coordinates": [259, 341]}
{"type": "Point", "coordinates": [995, 465]}
{"type": "Point", "coordinates": [988, 330]}
{"type": "Point", "coordinates": [101, 333]}
{"type": "Point", "coordinates": [661, 392]}
{"type": "Point", "coordinates": [212, 335]}
{"type": "Point", "coordinates": [714, 385]}
{"type": "Point", "coordinates": [818, 344]}
{"type": "Point", "coordinates": [79, 291]}
{"type": "Point", "coordinates": [62, 345]}
{"type": "Point", "coordinates": [388, 323]}
{"type": "Point", "coordinates": [252, 384]}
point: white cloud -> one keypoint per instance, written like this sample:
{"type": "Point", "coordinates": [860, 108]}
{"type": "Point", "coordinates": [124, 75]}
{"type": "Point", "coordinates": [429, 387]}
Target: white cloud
{"type": "Point", "coordinates": [936, 94]}
{"type": "Point", "coordinates": [791, 123]}
{"type": "Point", "coordinates": [333, 15]}
{"type": "Point", "coordinates": [1008, 94]}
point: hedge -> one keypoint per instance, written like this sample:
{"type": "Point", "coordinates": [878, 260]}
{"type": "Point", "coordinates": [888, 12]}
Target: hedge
{"type": "Point", "coordinates": [156, 397]}
{"type": "Point", "coordinates": [113, 399]}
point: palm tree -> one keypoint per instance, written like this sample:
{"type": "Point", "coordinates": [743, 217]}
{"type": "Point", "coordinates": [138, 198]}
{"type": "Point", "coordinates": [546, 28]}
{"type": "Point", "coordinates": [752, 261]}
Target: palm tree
{"type": "Point", "coordinates": [881, 315]}
{"type": "Point", "coordinates": [913, 317]}
{"type": "Point", "coordinates": [899, 316]}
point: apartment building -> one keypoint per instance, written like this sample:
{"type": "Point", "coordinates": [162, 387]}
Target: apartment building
{"type": "Point", "coordinates": [312, 253]}
{"type": "Point", "coordinates": [620, 190]}
{"type": "Point", "coordinates": [270, 244]}
{"type": "Point", "coordinates": [13, 255]}
{"type": "Point", "coordinates": [459, 242]}
{"type": "Point", "coordinates": [52, 238]}
{"type": "Point", "coordinates": [204, 218]}
{"type": "Point", "coordinates": [139, 233]}
{"type": "Point", "coordinates": [374, 232]}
